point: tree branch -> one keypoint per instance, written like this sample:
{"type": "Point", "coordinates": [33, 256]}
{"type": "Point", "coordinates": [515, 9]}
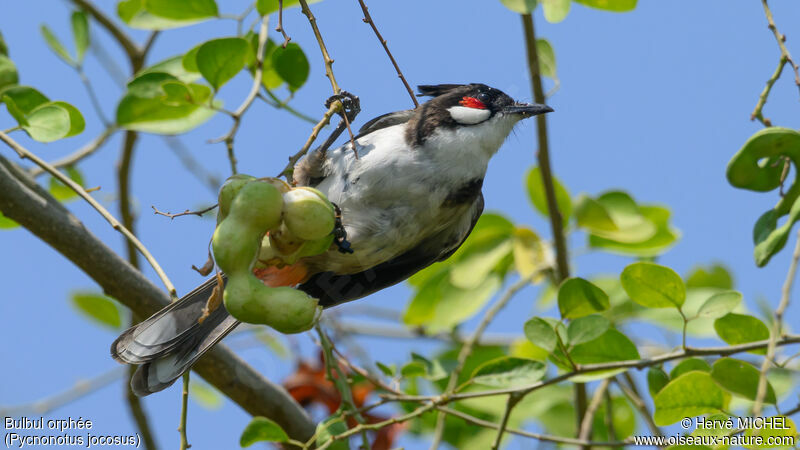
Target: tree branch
{"type": "Point", "coordinates": [27, 203]}
{"type": "Point", "coordinates": [368, 19]}
{"type": "Point", "coordinates": [777, 328]}
{"type": "Point", "coordinates": [131, 48]}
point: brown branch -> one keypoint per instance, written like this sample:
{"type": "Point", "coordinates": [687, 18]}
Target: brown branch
{"type": "Point", "coordinates": [325, 56]}
{"type": "Point", "coordinates": [543, 157]}
{"type": "Point", "coordinates": [279, 28]}
{"type": "Point", "coordinates": [326, 118]}
{"type": "Point", "coordinates": [185, 213]}
{"type": "Point", "coordinates": [368, 19]}
{"type": "Point", "coordinates": [636, 400]}
{"type": "Point", "coordinates": [512, 401]}
{"type": "Point", "coordinates": [589, 368]}
{"type": "Point", "coordinates": [136, 409]}
{"type": "Point", "coordinates": [27, 203]}
{"type": "Point", "coordinates": [781, 39]}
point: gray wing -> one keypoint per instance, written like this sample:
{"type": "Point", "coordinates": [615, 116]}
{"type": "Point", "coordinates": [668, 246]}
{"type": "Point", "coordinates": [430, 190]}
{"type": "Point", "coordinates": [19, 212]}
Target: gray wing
{"type": "Point", "coordinates": [310, 171]}
{"type": "Point", "coordinates": [332, 289]}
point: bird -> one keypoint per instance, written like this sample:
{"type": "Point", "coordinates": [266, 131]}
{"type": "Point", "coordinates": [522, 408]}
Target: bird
{"type": "Point", "coordinates": [409, 193]}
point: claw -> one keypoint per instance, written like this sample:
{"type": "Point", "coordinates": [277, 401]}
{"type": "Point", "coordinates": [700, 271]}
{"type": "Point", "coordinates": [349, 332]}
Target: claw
{"type": "Point", "coordinates": [339, 233]}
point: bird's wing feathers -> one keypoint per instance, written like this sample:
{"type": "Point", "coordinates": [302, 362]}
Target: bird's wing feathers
{"type": "Point", "coordinates": [385, 120]}
{"type": "Point", "coordinates": [332, 289]}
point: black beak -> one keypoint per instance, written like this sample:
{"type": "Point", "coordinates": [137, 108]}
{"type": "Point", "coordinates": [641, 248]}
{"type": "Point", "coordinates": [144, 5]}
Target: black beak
{"type": "Point", "coordinates": [527, 109]}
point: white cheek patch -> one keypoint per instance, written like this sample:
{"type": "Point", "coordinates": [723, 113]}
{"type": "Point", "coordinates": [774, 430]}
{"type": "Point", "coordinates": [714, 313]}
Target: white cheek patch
{"type": "Point", "coordinates": [468, 116]}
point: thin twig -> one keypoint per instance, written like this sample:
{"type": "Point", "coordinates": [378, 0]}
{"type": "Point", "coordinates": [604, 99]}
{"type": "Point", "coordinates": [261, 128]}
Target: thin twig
{"type": "Point", "coordinates": [467, 348]}
{"type": "Point", "coordinates": [135, 406]}
{"type": "Point", "coordinates": [781, 39]}
{"type": "Point", "coordinates": [377, 425]}
{"type": "Point", "coordinates": [254, 88]}
{"type": "Point", "coordinates": [537, 436]}
{"type": "Point", "coordinates": [636, 400]}
{"type": "Point", "coordinates": [279, 28]}
{"type": "Point", "coordinates": [79, 154]}
{"type": "Point", "coordinates": [368, 19]}
{"type": "Point", "coordinates": [589, 368]}
{"type": "Point", "coordinates": [757, 113]}
{"type": "Point", "coordinates": [543, 157]}
{"type": "Point", "coordinates": [92, 96]}
{"type": "Point", "coordinates": [512, 401]}
{"type": "Point", "coordinates": [325, 56]}
{"type": "Point", "coordinates": [185, 213]}
{"type": "Point", "coordinates": [184, 412]}
{"type": "Point", "coordinates": [24, 153]}
{"type": "Point", "coordinates": [80, 389]}
{"type": "Point", "coordinates": [401, 332]}
{"type": "Point", "coordinates": [326, 118]}
{"type": "Point", "coordinates": [585, 430]}
{"type": "Point", "coordinates": [777, 328]}
{"type": "Point", "coordinates": [275, 102]}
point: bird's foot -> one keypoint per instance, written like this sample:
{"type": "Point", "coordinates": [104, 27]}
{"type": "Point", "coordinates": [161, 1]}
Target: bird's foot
{"type": "Point", "coordinates": [339, 233]}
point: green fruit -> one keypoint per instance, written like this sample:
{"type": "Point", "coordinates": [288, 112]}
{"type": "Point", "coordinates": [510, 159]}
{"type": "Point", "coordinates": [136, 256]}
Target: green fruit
{"type": "Point", "coordinates": [312, 248]}
{"type": "Point", "coordinates": [308, 214]}
{"type": "Point", "coordinates": [285, 309]}
{"type": "Point", "coordinates": [235, 245]}
{"type": "Point", "coordinates": [228, 191]}
{"type": "Point", "coordinates": [258, 204]}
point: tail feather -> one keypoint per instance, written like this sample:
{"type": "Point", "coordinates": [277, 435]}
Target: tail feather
{"type": "Point", "coordinates": [169, 342]}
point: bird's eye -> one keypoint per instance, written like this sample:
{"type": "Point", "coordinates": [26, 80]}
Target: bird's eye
{"type": "Point", "coordinates": [484, 97]}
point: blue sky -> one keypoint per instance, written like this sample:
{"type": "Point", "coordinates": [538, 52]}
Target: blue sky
{"type": "Point", "coordinates": [654, 102]}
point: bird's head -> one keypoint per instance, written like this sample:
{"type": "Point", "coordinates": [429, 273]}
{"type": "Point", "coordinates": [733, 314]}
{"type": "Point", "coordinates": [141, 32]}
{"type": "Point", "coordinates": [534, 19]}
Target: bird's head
{"type": "Point", "coordinates": [473, 111]}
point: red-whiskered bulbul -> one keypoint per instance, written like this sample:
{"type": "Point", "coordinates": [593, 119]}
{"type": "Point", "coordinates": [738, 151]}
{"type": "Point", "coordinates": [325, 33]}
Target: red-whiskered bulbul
{"type": "Point", "coordinates": [409, 198]}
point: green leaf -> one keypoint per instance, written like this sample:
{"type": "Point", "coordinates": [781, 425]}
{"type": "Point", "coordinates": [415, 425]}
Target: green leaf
{"type": "Point", "coordinates": [151, 105]}
{"type": "Point", "coordinates": [205, 395]}
{"type": "Point", "coordinates": [265, 7]}
{"type": "Point", "coordinates": [473, 268]}
{"type": "Point", "coordinates": [25, 98]}
{"type": "Point", "coordinates": [555, 10]}
{"type": "Point", "coordinates": [531, 254]}
{"type": "Point", "coordinates": [720, 304]}
{"type": "Point", "coordinates": [182, 10]}
{"type": "Point", "coordinates": [653, 286]}
{"type": "Point", "coordinates": [332, 426]}
{"type": "Point", "coordinates": [523, 348]}
{"type": "Point", "coordinates": [508, 372]}
{"type": "Point", "coordinates": [610, 5]}
{"type": "Point", "coordinates": [656, 380]}
{"type": "Point", "coordinates": [692, 394]}
{"type": "Point", "coordinates": [219, 60]}
{"type": "Point", "coordinates": [769, 237]}
{"type": "Point", "coordinates": [777, 432]}
{"type": "Point", "coordinates": [533, 181]}
{"type": "Point", "coordinates": [8, 72]}
{"type": "Point", "coordinates": [98, 307]}
{"type": "Point", "coordinates": [189, 60]}
{"type": "Point", "coordinates": [547, 65]}
{"type": "Point", "coordinates": [737, 329]}
{"type": "Point", "coordinates": [6, 223]}
{"type": "Point", "coordinates": [688, 365]}
{"type": "Point", "coordinates": [48, 122]}
{"type": "Point", "coordinates": [15, 111]}
{"type": "Point", "coordinates": [740, 378]}
{"type": "Point", "coordinates": [173, 66]}
{"type": "Point", "coordinates": [76, 122]}
{"type": "Point", "coordinates": [60, 191]}
{"type": "Point", "coordinates": [291, 64]}
{"type": "Point", "coordinates": [433, 370]}
{"type": "Point", "coordinates": [261, 429]}
{"type": "Point", "coordinates": [80, 34]}
{"type": "Point", "coordinates": [615, 216]}
{"type": "Point", "coordinates": [578, 297]}
{"type": "Point", "coordinates": [587, 328]}
{"type": "Point", "coordinates": [713, 276]}
{"type": "Point", "coordinates": [55, 45]}
{"type": "Point", "coordinates": [665, 236]}
{"type": "Point", "coordinates": [389, 371]}
{"type": "Point", "coordinates": [520, 6]}
{"type": "Point", "coordinates": [610, 346]}
{"type": "Point", "coordinates": [134, 14]}
{"type": "Point", "coordinates": [541, 333]}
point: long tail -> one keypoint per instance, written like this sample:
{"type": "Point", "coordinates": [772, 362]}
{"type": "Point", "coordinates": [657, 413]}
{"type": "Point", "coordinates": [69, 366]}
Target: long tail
{"type": "Point", "coordinates": [167, 344]}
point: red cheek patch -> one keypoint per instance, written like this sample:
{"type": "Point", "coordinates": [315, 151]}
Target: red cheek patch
{"type": "Point", "coordinates": [472, 102]}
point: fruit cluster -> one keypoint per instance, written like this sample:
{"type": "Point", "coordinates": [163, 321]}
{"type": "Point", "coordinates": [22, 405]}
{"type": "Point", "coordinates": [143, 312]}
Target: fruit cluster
{"type": "Point", "coordinates": [267, 222]}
